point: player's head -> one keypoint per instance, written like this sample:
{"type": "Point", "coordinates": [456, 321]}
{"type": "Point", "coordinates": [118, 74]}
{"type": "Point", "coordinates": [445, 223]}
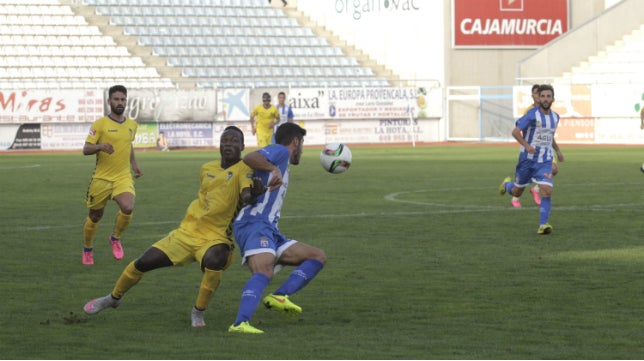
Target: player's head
{"type": "Point", "coordinates": [535, 94]}
{"type": "Point", "coordinates": [281, 97]}
{"type": "Point", "coordinates": [291, 134]}
{"type": "Point", "coordinates": [231, 144]}
{"type": "Point", "coordinates": [266, 99]}
{"type": "Point", "coordinates": [117, 99]}
{"type": "Point", "coordinates": [546, 96]}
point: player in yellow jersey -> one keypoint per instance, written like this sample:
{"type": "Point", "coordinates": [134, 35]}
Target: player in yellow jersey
{"type": "Point", "coordinates": [205, 234]}
{"type": "Point", "coordinates": [267, 118]}
{"type": "Point", "coordinates": [110, 138]}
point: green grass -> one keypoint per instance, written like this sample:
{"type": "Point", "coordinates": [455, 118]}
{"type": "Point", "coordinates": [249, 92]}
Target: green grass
{"type": "Point", "coordinates": [425, 261]}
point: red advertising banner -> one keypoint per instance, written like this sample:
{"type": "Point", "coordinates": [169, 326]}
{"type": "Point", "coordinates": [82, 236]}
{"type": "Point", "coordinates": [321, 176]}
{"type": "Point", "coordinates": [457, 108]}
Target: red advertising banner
{"type": "Point", "coordinates": [508, 23]}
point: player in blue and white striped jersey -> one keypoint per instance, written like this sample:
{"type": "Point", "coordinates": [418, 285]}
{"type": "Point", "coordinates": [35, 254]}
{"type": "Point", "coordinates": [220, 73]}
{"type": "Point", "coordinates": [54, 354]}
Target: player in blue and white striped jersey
{"type": "Point", "coordinates": [263, 247]}
{"type": "Point", "coordinates": [535, 132]}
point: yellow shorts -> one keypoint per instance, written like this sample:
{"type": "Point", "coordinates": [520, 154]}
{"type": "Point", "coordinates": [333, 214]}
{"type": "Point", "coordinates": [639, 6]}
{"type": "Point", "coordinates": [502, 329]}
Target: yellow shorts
{"type": "Point", "coordinates": [264, 139]}
{"type": "Point", "coordinates": [100, 191]}
{"type": "Point", "coordinates": [183, 249]}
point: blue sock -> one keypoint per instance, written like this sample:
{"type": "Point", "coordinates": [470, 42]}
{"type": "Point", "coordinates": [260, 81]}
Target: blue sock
{"type": "Point", "coordinates": [508, 187]}
{"type": "Point", "coordinates": [251, 295]}
{"type": "Point", "coordinates": [544, 210]}
{"type": "Point", "coordinates": [300, 277]}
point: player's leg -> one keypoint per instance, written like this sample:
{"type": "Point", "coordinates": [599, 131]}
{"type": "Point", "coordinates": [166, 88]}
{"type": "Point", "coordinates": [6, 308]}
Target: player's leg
{"type": "Point", "coordinates": [309, 261]}
{"type": "Point", "coordinates": [535, 194]}
{"type": "Point", "coordinates": [216, 259]}
{"type": "Point", "coordinates": [96, 198]}
{"type": "Point", "coordinates": [261, 267]}
{"type": "Point", "coordinates": [124, 197]}
{"type": "Point", "coordinates": [151, 259]}
{"type": "Point", "coordinates": [543, 177]}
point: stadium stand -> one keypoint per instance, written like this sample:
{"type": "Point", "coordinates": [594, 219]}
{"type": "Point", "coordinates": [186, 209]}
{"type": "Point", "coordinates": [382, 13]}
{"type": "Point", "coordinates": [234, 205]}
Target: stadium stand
{"type": "Point", "coordinates": [235, 43]}
{"type": "Point", "coordinates": [621, 62]}
{"type": "Point", "coordinates": [45, 45]}
{"type": "Point", "coordinates": [204, 43]}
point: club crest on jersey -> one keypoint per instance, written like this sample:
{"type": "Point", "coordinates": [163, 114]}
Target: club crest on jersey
{"type": "Point", "coordinates": [538, 123]}
{"type": "Point", "coordinates": [230, 175]}
{"type": "Point", "coordinates": [263, 242]}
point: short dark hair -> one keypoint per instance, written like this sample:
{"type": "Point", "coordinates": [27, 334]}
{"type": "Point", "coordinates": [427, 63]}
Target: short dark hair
{"type": "Point", "coordinates": [535, 87]}
{"type": "Point", "coordinates": [266, 96]}
{"type": "Point", "coordinates": [234, 128]}
{"type": "Point", "coordinates": [117, 88]}
{"type": "Point", "coordinates": [281, 93]}
{"type": "Point", "coordinates": [543, 87]}
{"type": "Point", "coordinates": [287, 132]}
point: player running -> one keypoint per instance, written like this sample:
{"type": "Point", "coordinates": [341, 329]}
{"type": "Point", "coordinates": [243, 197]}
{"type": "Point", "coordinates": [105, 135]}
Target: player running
{"type": "Point", "coordinates": [535, 132]}
{"type": "Point", "coordinates": [110, 138]}
{"type": "Point", "coordinates": [204, 235]}
{"type": "Point", "coordinates": [263, 247]}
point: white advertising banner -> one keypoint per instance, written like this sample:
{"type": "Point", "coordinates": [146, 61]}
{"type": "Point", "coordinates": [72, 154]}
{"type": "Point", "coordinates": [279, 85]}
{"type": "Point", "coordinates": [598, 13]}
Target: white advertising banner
{"type": "Point", "coordinates": [310, 103]}
{"type": "Point", "coordinates": [171, 105]}
{"type": "Point", "coordinates": [369, 103]}
{"type": "Point", "coordinates": [233, 104]}
{"type": "Point", "coordinates": [612, 100]}
{"type": "Point", "coordinates": [63, 136]}
{"type": "Point", "coordinates": [50, 106]}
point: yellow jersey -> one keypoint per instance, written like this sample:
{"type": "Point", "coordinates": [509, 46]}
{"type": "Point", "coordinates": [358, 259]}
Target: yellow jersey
{"type": "Point", "coordinates": [210, 216]}
{"type": "Point", "coordinates": [265, 118]}
{"type": "Point", "coordinates": [121, 135]}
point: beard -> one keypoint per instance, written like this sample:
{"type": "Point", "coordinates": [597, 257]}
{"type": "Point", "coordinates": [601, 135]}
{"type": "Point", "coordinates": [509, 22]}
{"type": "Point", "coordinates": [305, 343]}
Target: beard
{"type": "Point", "coordinates": [118, 111]}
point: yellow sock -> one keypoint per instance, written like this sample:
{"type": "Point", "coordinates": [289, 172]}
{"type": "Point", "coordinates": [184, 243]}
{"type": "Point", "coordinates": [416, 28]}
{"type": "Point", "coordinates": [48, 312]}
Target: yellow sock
{"type": "Point", "coordinates": [89, 232]}
{"type": "Point", "coordinates": [209, 284]}
{"type": "Point", "coordinates": [122, 221]}
{"type": "Point", "coordinates": [128, 279]}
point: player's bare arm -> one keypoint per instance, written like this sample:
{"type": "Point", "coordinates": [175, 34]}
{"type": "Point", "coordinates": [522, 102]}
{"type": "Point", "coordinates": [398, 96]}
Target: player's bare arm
{"type": "Point", "coordinates": [517, 134]}
{"type": "Point", "coordinates": [89, 148]}
{"type": "Point", "coordinates": [135, 167]}
{"type": "Point", "coordinates": [250, 194]}
{"type": "Point", "coordinates": [555, 146]}
{"type": "Point", "coordinates": [257, 161]}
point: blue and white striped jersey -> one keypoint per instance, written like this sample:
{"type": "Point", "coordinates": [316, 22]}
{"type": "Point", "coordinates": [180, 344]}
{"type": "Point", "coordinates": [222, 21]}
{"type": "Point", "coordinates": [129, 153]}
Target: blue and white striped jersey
{"type": "Point", "coordinates": [539, 131]}
{"type": "Point", "coordinates": [268, 206]}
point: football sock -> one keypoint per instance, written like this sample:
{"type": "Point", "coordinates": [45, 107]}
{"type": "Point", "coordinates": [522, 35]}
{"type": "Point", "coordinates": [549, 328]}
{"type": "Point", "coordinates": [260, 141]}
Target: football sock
{"type": "Point", "coordinates": [122, 221]}
{"type": "Point", "coordinates": [89, 232]}
{"type": "Point", "coordinates": [508, 187]}
{"type": "Point", "coordinates": [544, 210]}
{"type": "Point", "coordinates": [251, 294]}
{"type": "Point", "coordinates": [300, 277]}
{"type": "Point", "coordinates": [209, 283]}
{"type": "Point", "coordinates": [128, 279]}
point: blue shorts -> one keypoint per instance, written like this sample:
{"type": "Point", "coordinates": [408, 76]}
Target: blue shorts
{"type": "Point", "coordinates": [529, 171]}
{"type": "Point", "coordinates": [260, 237]}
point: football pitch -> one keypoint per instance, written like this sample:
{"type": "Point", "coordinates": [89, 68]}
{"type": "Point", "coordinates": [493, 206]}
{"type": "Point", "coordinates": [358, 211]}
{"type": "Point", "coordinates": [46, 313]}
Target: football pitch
{"type": "Point", "coordinates": [425, 261]}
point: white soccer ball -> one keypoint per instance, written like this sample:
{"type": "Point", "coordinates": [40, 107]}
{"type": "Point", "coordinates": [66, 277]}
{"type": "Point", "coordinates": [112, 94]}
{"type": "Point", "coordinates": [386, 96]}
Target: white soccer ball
{"type": "Point", "coordinates": [335, 158]}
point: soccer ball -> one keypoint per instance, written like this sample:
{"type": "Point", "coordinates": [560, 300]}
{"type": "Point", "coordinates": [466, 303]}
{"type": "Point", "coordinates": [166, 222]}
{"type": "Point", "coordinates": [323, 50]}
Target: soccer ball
{"type": "Point", "coordinates": [335, 158]}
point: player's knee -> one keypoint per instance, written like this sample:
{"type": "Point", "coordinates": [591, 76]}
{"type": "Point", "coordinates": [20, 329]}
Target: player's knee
{"type": "Point", "coordinates": [96, 214]}
{"type": "Point", "coordinates": [216, 258]}
{"type": "Point", "coordinates": [127, 208]}
{"type": "Point", "coordinates": [319, 255]}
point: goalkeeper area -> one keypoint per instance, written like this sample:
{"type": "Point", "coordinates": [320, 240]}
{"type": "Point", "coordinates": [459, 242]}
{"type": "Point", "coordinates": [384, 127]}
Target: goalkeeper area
{"type": "Point", "coordinates": [425, 261]}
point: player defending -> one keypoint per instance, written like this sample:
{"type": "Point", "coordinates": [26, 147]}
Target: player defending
{"type": "Point", "coordinates": [267, 118]}
{"type": "Point", "coordinates": [110, 138]}
{"type": "Point", "coordinates": [263, 247]}
{"type": "Point", "coordinates": [205, 233]}
{"type": "Point", "coordinates": [535, 131]}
